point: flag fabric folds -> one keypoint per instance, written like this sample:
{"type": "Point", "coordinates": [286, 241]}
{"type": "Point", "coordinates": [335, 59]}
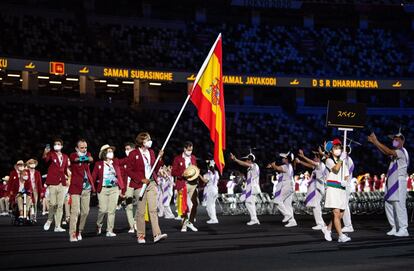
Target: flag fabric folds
{"type": "Point", "coordinates": [207, 95]}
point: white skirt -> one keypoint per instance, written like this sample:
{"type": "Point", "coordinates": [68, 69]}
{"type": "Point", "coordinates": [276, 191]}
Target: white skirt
{"type": "Point", "coordinates": [335, 198]}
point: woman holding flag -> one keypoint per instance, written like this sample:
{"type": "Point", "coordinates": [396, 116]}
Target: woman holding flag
{"type": "Point", "coordinates": [139, 165]}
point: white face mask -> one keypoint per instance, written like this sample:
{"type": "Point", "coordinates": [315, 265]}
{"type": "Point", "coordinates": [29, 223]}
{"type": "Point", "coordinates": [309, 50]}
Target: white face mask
{"type": "Point", "coordinates": [110, 155]}
{"type": "Point", "coordinates": [20, 168]}
{"type": "Point", "coordinates": [81, 153]}
{"type": "Point", "coordinates": [395, 143]}
{"type": "Point", "coordinates": [57, 147]}
{"type": "Point", "coordinates": [337, 152]}
{"type": "Point", "coordinates": [148, 144]}
{"type": "Point", "coordinates": [188, 153]}
{"type": "Point", "coordinates": [127, 152]}
{"type": "Point", "coordinates": [25, 178]}
{"type": "Point", "coordinates": [32, 166]}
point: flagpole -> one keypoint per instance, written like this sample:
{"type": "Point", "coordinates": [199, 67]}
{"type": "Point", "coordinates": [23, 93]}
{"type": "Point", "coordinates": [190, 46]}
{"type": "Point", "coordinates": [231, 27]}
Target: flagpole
{"type": "Point", "coordinates": [200, 72]}
{"type": "Point", "coordinates": [144, 186]}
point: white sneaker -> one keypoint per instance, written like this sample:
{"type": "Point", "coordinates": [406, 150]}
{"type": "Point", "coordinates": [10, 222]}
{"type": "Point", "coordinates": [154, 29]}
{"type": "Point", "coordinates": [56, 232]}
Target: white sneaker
{"type": "Point", "coordinates": [184, 226]}
{"type": "Point", "coordinates": [73, 238]}
{"type": "Point", "coordinates": [98, 230]}
{"type": "Point", "coordinates": [59, 229]}
{"type": "Point", "coordinates": [212, 221]}
{"type": "Point", "coordinates": [327, 234]}
{"type": "Point", "coordinates": [343, 238]}
{"type": "Point", "coordinates": [191, 226]}
{"type": "Point", "coordinates": [79, 236]}
{"type": "Point", "coordinates": [141, 240]}
{"type": "Point", "coordinates": [131, 230]}
{"type": "Point", "coordinates": [286, 219]}
{"type": "Point", "coordinates": [160, 237]}
{"type": "Point", "coordinates": [317, 227]}
{"type": "Point", "coordinates": [393, 231]}
{"type": "Point", "coordinates": [253, 222]}
{"type": "Point", "coordinates": [402, 233]}
{"type": "Point", "coordinates": [46, 227]}
{"type": "Point", "coordinates": [110, 234]}
{"type": "Point", "coordinates": [348, 229]}
{"type": "Point", "coordinates": [64, 222]}
{"type": "Point", "coordinates": [292, 223]}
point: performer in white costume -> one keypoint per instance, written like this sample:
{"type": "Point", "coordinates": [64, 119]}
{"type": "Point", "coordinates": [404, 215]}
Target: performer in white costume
{"type": "Point", "coordinates": [285, 188]}
{"type": "Point", "coordinates": [396, 184]}
{"type": "Point", "coordinates": [252, 185]}
{"type": "Point", "coordinates": [316, 187]}
{"type": "Point", "coordinates": [347, 213]}
{"type": "Point", "coordinates": [211, 192]}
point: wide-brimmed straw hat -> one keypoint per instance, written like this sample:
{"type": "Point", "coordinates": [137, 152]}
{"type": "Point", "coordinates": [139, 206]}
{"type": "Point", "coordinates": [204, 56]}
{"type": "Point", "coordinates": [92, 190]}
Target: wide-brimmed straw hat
{"type": "Point", "coordinates": [191, 173]}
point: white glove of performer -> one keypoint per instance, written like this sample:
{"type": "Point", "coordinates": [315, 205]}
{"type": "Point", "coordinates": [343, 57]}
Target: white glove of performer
{"type": "Point", "coordinates": [343, 156]}
{"type": "Point", "coordinates": [344, 183]}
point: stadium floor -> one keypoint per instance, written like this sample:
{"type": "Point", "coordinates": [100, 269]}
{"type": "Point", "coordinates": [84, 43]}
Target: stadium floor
{"type": "Point", "coordinates": [230, 245]}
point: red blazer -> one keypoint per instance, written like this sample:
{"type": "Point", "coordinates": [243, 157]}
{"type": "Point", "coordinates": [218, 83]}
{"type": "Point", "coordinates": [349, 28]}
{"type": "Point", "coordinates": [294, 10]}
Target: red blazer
{"type": "Point", "coordinates": [98, 172]}
{"type": "Point", "coordinates": [78, 173]}
{"type": "Point", "coordinates": [136, 168]}
{"type": "Point", "coordinates": [3, 190]}
{"type": "Point", "coordinates": [123, 165]}
{"type": "Point", "coordinates": [178, 168]}
{"type": "Point", "coordinates": [14, 177]}
{"type": "Point", "coordinates": [37, 181]}
{"type": "Point", "coordinates": [56, 172]}
{"type": "Point", "coordinates": [14, 189]}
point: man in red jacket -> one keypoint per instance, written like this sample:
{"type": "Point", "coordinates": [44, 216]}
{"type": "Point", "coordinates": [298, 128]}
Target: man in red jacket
{"type": "Point", "coordinates": [140, 162]}
{"type": "Point", "coordinates": [57, 174]}
{"type": "Point", "coordinates": [4, 197]}
{"type": "Point", "coordinates": [80, 189]}
{"type": "Point", "coordinates": [36, 182]}
{"type": "Point", "coordinates": [15, 174]}
{"type": "Point", "coordinates": [186, 197]}
{"type": "Point", "coordinates": [18, 190]}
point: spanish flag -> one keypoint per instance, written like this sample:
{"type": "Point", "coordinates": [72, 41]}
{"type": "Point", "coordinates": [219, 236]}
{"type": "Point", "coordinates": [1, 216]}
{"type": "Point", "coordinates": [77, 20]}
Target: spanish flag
{"type": "Point", "coordinates": [208, 96]}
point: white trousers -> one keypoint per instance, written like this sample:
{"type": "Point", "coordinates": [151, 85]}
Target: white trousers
{"type": "Point", "coordinates": [317, 210]}
{"type": "Point", "coordinates": [396, 211]}
{"type": "Point", "coordinates": [285, 207]}
{"type": "Point", "coordinates": [347, 213]}
{"type": "Point", "coordinates": [251, 207]}
{"type": "Point", "coordinates": [211, 205]}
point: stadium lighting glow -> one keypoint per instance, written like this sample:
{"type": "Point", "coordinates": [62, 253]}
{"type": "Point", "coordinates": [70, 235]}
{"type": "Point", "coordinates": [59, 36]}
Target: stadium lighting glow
{"type": "Point", "coordinates": [72, 79]}
{"type": "Point", "coordinates": [55, 82]}
{"type": "Point", "coordinates": [155, 84]}
{"type": "Point", "coordinates": [13, 75]}
{"type": "Point", "coordinates": [43, 77]}
{"type": "Point", "coordinates": [113, 85]}
{"type": "Point", "coordinates": [1, 78]}
{"type": "Point", "coordinates": [21, 80]}
{"type": "Point", "coordinates": [128, 82]}
{"type": "Point", "coordinates": [100, 81]}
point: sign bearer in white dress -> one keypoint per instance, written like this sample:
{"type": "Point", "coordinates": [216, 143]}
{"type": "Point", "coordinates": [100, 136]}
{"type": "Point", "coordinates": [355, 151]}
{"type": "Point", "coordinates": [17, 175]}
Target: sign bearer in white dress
{"type": "Point", "coordinates": [336, 198]}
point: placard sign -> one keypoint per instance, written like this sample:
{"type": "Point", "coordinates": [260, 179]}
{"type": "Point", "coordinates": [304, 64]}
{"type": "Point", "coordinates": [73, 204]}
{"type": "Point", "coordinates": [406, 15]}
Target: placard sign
{"type": "Point", "coordinates": [346, 115]}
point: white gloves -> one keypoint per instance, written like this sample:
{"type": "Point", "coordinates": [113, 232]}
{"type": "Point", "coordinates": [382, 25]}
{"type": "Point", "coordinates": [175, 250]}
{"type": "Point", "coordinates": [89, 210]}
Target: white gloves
{"type": "Point", "coordinates": [343, 156]}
